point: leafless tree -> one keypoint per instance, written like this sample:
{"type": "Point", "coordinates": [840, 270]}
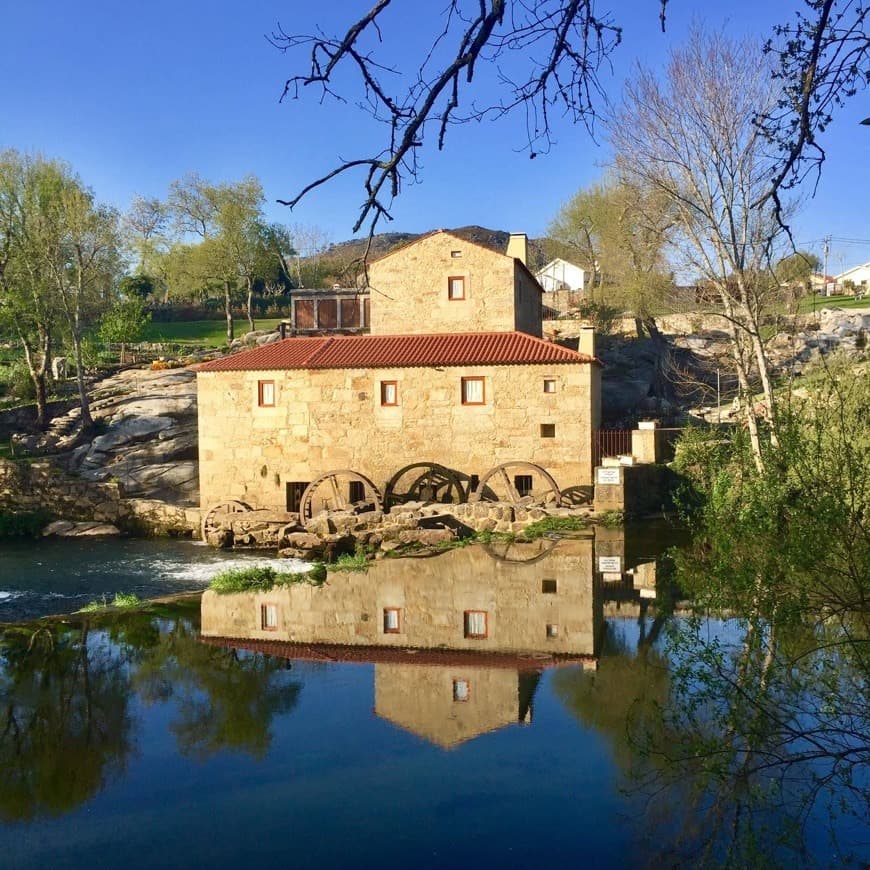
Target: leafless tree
{"type": "Point", "coordinates": [823, 58]}
{"type": "Point", "coordinates": [547, 54]}
{"type": "Point", "coordinates": [692, 137]}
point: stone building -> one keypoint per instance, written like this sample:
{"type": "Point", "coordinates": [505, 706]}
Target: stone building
{"type": "Point", "coordinates": [454, 375]}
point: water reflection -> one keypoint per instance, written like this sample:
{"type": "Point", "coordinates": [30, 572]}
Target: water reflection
{"type": "Point", "coordinates": [459, 641]}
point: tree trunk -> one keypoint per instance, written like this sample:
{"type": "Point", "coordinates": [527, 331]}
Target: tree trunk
{"type": "Point", "coordinates": [87, 420]}
{"type": "Point", "coordinates": [250, 303]}
{"type": "Point", "coordinates": [229, 312]}
{"type": "Point", "coordinates": [37, 375]}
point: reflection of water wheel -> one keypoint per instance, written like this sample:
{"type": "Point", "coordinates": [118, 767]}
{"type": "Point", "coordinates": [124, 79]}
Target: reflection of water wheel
{"type": "Point", "coordinates": [516, 483]}
{"type": "Point", "coordinates": [219, 516]}
{"type": "Point", "coordinates": [339, 490]}
{"type": "Point", "coordinates": [425, 481]}
{"type": "Point", "coordinates": [520, 553]}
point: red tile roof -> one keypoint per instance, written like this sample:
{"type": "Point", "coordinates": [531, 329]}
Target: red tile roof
{"type": "Point", "coordinates": [398, 351]}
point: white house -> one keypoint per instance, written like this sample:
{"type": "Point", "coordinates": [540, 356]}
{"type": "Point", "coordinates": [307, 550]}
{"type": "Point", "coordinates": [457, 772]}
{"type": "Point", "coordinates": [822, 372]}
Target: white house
{"type": "Point", "coordinates": [559, 274]}
{"type": "Point", "coordinates": [857, 275]}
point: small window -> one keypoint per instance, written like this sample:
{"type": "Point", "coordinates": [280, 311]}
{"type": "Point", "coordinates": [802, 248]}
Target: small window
{"type": "Point", "coordinates": [473, 392]}
{"type": "Point", "coordinates": [549, 385]}
{"type": "Point", "coordinates": [266, 394]}
{"type": "Point", "coordinates": [389, 393]}
{"type": "Point", "coordinates": [548, 587]}
{"type": "Point", "coordinates": [461, 690]}
{"type": "Point", "coordinates": [392, 620]}
{"type": "Point", "coordinates": [548, 430]}
{"type": "Point", "coordinates": [523, 484]}
{"type": "Point", "coordinates": [456, 254]}
{"type": "Point", "coordinates": [552, 630]}
{"type": "Point", "coordinates": [476, 624]}
{"type": "Point", "coordinates": [269, 617]}
{"type": "Point", "coordinates": [295, 489]}
{"type": "Point", "coordinates": [456, 288]}
{"type": "Point", "coordinates": [356, 491]}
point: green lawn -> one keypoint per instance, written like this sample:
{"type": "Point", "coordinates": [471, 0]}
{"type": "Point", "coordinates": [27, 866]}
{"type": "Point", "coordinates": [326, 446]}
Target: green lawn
{"type": "Point", "coordinates": [845, 302]}
{"type": "Point", "coordinates": [211, 333]}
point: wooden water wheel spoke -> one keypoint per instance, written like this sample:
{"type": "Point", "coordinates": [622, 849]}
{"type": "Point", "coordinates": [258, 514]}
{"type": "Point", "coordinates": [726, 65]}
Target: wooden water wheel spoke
{"type": "Point", "coordinates": [540, 486]}
{"type": "Point", "coordinates": [220, 516]}
{"type": "Point", "coordinates": [332, 491]}
{"type": "Point", "coordinates": [425, 481]}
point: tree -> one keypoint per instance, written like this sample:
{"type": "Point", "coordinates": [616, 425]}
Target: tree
{"type": "Point", "coordinates": [28, 308]}
{"type": "Point", "coordinates": [691, 137]}
{"type": "Point", "coordinates": [124, 323]}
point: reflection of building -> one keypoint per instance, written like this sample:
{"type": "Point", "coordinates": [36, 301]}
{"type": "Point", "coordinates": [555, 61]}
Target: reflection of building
{"type": "Point", "coordinates": [458, 641]}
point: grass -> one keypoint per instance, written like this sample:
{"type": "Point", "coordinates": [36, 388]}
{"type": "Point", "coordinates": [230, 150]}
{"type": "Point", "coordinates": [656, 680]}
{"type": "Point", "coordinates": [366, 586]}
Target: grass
{"type": "Point", "coordinates": [210, 333]}
{"type": "Point", "coordinates": [357, 562]}
{"type": "Point", "coordinates": [553, 525]}
{"type": "Point", "coordinates": [122, 600]}
{"type": "Point", "coordinates": [261, 578]}
{"type": "Point", "coordinates": [845, 302]}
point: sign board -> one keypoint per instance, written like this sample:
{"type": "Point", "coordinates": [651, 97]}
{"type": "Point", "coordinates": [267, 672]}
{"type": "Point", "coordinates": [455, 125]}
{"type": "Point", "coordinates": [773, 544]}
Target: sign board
{"type": "Point", "coordinates": [607, 475]}
{"type": "Point", "coordinates": [610, 565]}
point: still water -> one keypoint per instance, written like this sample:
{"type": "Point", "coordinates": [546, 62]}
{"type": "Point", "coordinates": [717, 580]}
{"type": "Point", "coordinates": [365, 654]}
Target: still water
{"type": "Point", "coordinates": [513, 706]}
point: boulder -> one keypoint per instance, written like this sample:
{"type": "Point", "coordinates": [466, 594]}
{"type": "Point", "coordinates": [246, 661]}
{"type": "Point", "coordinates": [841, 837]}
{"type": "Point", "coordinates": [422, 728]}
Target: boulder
{"type": "Point", "coordinates": [67, 529]}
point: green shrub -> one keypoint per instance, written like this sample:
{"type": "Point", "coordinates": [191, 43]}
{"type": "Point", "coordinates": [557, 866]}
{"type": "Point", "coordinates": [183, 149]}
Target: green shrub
{"type": "Point", "coordinates": [357, 562]}
{"type": "Point", "coordinates": [126, 599]}
{"type": "Point", "coordinates": [258, 578]}
{"type": "Point", "coordinates": [612, 519]}
{"type": "Point", "coordinates": [550, 525]}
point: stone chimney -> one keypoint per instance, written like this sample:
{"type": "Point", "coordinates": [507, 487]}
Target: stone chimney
{"type": "Point", "coordinates": [518, 246]}
{"type": "Point", "coordinates": [587, 340]}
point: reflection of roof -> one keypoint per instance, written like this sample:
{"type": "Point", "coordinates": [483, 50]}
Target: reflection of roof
{"type": "Point", "coordinates": [398, 351]}
{"type": "Point", "coordinates": [322, 652]}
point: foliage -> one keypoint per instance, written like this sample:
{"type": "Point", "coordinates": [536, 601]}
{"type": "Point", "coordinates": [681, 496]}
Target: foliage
{"type": "Point", "coordinates": [126, 599]}
{"type": "Point", "coordinates": [137, 286]}
{"type": "Point", "coordinates": [612, 519]}
{"type": "Point", "coordinates": [258, 578]}
{"type": "Point", "coordinates": [23, 525]}
{"type": "Point", "coordinates": [125, 321]}
{"type": "Point", "coordinates": [601, 315]}
{"type": "Point", "coordinates": [553, 525]}
{"type": "Point", "coordinates": [346, 562]}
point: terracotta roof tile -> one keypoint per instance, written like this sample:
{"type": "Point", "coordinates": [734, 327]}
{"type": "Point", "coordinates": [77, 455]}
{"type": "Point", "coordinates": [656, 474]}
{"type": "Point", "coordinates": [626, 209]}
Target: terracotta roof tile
{"type": "Point", "coordinates": [398, 351]}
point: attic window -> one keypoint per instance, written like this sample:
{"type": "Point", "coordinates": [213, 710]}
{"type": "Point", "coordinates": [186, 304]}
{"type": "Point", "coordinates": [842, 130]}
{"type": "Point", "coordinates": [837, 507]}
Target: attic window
{"type": "Point", "coordinates": [548, 430]}
{"type": "Point", "coordinates": [473, 391]}
{"type": "Point", "coordinates": [456, 254]}
{"type": "Point", "coordinates": [475, 624]}
{"type": "Point", "coordinates": [549, 385]}
{"type": "Point", "coordinates": [269, 617]}
{"type": "Point", "coordinates": [461, 690]}
{"type": "Point", "coordinates": [456, 287]}
{"type": "Point", "coordinates": [392, 620]}
{"type": "Point", "coordinates": [389, 393]}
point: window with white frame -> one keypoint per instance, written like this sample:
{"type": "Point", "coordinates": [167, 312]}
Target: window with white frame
{"type": "Point", "coordinates": [473, 391]}
{"type": "Point", "coordinates": [476, 624]}
{"type": "Point", "coordinates": [461, 690]}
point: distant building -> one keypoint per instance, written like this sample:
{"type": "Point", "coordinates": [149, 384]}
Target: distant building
{"type": "Point", "coordinates": [854, 280]}
{"type": "Point", "coordinates": [559, 274]}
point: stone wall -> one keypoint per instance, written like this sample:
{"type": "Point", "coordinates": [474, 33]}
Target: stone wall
{"type": "Point", "coordinates": [13, 421]}
{"type": "Point", "coordinates": [325, 420]}
{"type": "Point", "coordinates": [409, 290]}
{"type": "Point", "coordinates": [31, 486]}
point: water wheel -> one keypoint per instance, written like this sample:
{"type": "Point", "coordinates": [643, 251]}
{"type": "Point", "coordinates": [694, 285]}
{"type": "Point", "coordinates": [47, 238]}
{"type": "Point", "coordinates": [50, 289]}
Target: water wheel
{"type": "Point", "coordinates": [518, 483]}
{"type": "Point", "coordinates": [339, 490]}
{"type": "Point", "coordinates": [425, 481]}
{"type": "Point", "coordinates": [219, 517]}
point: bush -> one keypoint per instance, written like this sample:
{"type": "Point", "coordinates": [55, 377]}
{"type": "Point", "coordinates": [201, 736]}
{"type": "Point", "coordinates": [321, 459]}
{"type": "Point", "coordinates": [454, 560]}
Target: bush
{"type": "Point", "coordinates": [257, 578]}
{"type": "Point", "coordinates": [555, 525]}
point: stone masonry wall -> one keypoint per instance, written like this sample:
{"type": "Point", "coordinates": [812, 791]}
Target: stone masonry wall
{"type": "Point", "coordinates": [332, 419]}
{"type": "Point", "coordinates": [32, 486]}
{"type": "Point", "coordinates": [409, 290]}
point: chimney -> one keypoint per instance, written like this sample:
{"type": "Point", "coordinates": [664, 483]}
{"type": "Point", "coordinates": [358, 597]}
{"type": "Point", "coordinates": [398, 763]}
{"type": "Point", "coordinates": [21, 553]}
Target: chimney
{"type": "Point", "coordinates": [587, 340]}
{"type": "Point", "coordinates": [518, 246]}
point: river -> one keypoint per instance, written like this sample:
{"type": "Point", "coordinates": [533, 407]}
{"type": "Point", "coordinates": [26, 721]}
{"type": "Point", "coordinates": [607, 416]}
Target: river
{"type": "Point", "coordinates": [552, 704]}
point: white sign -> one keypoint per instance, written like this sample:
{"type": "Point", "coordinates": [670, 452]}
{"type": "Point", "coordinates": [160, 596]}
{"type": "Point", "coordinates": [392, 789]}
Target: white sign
{"type": "Point", "coordinates": [608, 475]}
{"type": "Point", "coordinates": [610, 564]}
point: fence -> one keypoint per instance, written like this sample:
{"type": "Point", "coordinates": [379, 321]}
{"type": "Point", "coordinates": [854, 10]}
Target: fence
{"type": "Point", "coordinates": [611, 442]}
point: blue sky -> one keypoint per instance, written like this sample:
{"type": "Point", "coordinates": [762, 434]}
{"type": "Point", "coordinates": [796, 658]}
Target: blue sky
{"type": "Point", "coordinates": [136, 94]}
